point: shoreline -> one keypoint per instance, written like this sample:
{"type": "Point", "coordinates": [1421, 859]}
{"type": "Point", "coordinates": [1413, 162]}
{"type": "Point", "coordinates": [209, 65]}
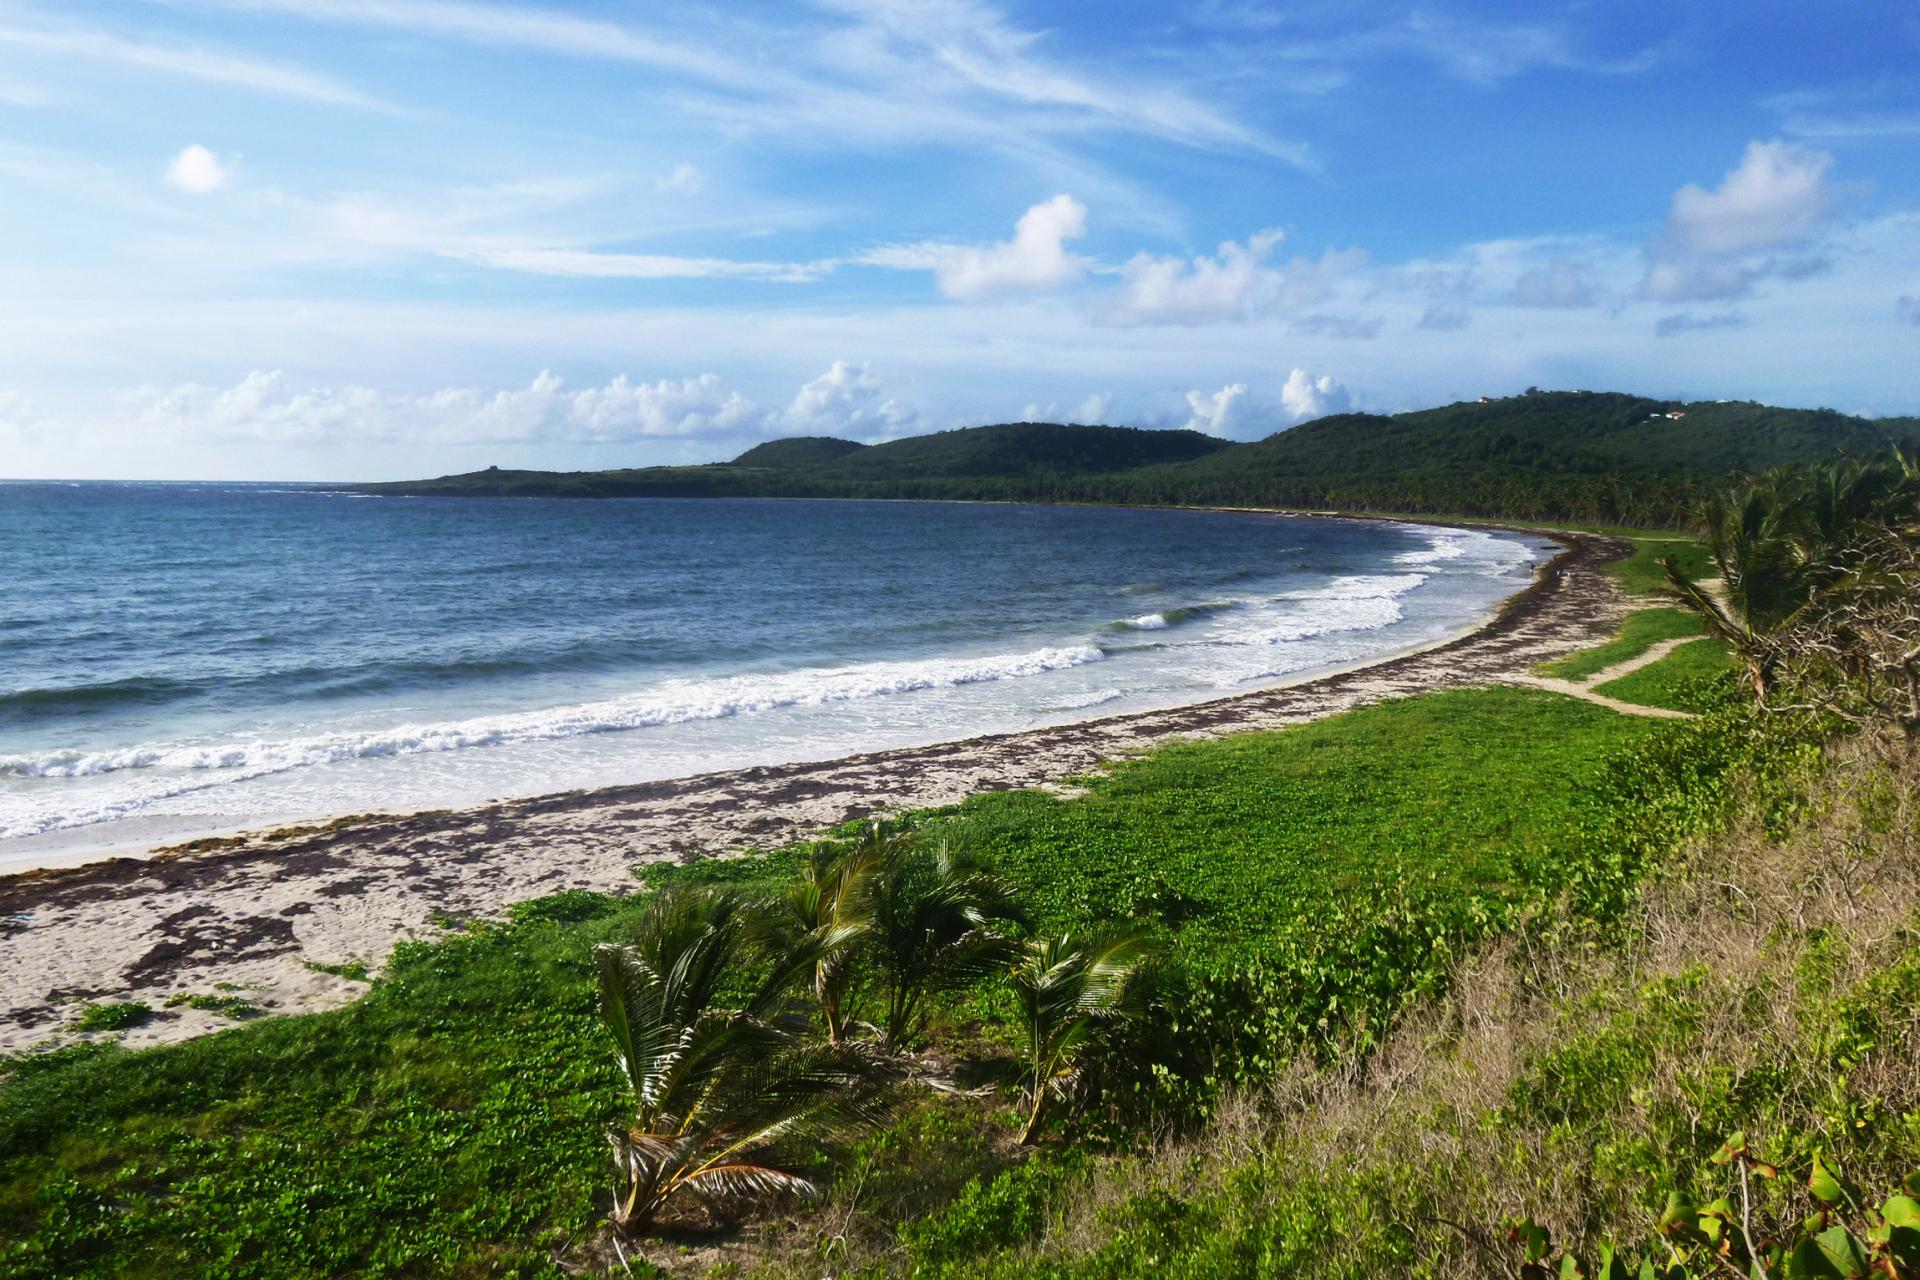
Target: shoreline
{"type": "Point", "coordinates": [146, 837]}
{"type": "Point", "coordinates": [255, 909]}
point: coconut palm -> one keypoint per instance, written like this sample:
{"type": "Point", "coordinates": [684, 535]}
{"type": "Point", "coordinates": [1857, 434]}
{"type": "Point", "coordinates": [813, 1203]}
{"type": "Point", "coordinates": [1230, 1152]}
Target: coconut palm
{"type": "Point", "coordinates": [1755, 532]}
{"type": "Point", "coordinates": [714, 1089]}
{"type": "Point", "coordinates": [1072, 990]}
{"type": "Point", "coordinates": [936, 919]}
{"type": "Point", "coordinates": [830, 913]}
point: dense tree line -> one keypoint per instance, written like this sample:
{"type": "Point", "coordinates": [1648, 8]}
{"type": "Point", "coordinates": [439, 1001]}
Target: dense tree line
{"type": "Point", "coordinates": [1576, 456]}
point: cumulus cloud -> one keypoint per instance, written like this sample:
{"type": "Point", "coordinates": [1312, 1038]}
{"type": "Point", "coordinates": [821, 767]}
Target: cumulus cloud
{"type": "Point", "coordinates": [1093, 410]}
{"type": "Point", "coordinates": [1686, 322]}
{"type": "Point", "coordinates": [1776, 195]}
{"type": "Point", "coordinates": [1235, 284]}
{"type": "Point", "coordinates": [1090, 412]}
{"type": "Point", "coordinates": [848, 399]}
{"type": "Point", "coordinates": [266, 406]}
{"type": "Point", "coordinates": [1720, 243]}
{"type": "Point", "coordinates": [1036, 257]}
{"type": "Point", "coordinates": [1305, 396]}
{"type": "Point", "coordinates": [1217, 413]}
{"type": "Point", "coordinates": [196, 170]}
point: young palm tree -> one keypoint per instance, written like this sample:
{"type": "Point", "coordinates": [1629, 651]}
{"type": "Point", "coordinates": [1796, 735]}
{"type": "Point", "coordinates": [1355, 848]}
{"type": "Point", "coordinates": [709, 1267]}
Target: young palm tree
{"type": "Point", "coordinates": [936, 914]}
{"type": "Point", "coordinates": [1756, 534]}
{"type": "Point", "coordinates": [713, 1088]}
{"type": "Point", "coordinates": [830, 912]}
{"type": "Point", "coordinates": [1072, 990]}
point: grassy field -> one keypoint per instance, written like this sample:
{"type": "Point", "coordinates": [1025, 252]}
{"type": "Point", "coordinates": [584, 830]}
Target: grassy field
{"type": "Point", "coordinates": [450, 1123]}
{"type": "Point", "coordinates": [1566, 1081]}
{"type": "Point", "coordinates": [1680, 681]}
{"type": "Point", "coordinates": [1641, 573]}
{"type": "Point", "coordinates": [1642, 629]}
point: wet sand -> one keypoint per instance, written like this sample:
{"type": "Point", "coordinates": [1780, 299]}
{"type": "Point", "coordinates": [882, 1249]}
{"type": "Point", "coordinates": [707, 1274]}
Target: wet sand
{"type": "Point", "coordinates": [254, 910]}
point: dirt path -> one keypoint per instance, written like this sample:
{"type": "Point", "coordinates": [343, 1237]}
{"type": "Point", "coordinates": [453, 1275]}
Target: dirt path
{"type": "Point", "coordinates": [255, 910]}
{"type": "Point", "coordinates": [1586, 689]}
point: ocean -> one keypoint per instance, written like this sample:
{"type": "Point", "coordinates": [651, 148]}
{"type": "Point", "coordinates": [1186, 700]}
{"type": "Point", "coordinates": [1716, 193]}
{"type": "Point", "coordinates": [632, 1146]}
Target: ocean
{"type": "Point", "coordinates": [187, 659]}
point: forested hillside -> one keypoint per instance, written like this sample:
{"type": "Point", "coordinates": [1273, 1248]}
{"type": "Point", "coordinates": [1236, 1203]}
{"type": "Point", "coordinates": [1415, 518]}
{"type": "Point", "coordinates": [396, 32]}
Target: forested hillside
{"type": "Point", "coordinates": [1572, 455]}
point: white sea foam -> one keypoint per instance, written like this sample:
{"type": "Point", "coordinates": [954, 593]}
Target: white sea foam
{"type": "Point", "coordinates": [1484, 553]}
{"type": "Point", "coordinates": [1223, 643]}
{"type": "Point", "coordinates": [1358, 602]}
{"type": "Point", "coordinates": [671, 702]}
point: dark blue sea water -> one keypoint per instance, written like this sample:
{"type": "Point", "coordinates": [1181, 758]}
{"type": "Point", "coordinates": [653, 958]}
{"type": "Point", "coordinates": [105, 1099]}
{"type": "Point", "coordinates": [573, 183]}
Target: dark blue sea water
{"type": "Point", "coordinates": [180, 657]}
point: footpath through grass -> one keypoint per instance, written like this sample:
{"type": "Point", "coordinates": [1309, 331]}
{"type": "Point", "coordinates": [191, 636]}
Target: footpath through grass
{"type": "Point", "coordinates": [450, 1123]}
{"type": "Point", "coordinates": [1684, 680]}
{"type": "Point", "coordinates": [1642, 629]}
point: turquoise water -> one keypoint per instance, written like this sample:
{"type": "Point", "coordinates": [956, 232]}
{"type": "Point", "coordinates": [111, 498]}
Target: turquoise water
{"type": "Point", "coordinates": [179, 658]}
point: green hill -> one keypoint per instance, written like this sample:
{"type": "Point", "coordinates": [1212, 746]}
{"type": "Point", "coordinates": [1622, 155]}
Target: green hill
{"type": "Point", "coordinates": [798, 451]}
{"type": "Point", "coordinates": [1569, 455]}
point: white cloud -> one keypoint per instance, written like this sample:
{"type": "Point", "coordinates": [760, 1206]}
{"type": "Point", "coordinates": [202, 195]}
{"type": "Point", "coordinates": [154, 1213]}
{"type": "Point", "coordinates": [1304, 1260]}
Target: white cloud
{"type": "Point", "coordinates": [1716, 242]}
{"type": "Point", "coordinates": [886, 68]}
{"type": "Point", "coordinates": [1089, 412]}
{"type": "Point", "coordinates": [190, 62]}
{"type": "Point", "coordinates": [1036, 257]}
{"type": "Point", "coordinates": [1235, 285]}
{"type": "Point", "coordinates": [589, 264]}
{"type": "Point", "coordinates": [196, 170]}
{"type": "Point", "coordinates": [1778, 194]}
{"type": "Point", "coordinates": [685, 179]}
{"type": "Point", "coordinates": [1093, 410]}
{"type": "Point", "coordinates": [1306, 396]}
{"type": "Point", "coordinates": [265, 407]}
{"type": "Point", "coordinates": [1217, 413]}
{"type": "Point", "coordinates": [848, 399]}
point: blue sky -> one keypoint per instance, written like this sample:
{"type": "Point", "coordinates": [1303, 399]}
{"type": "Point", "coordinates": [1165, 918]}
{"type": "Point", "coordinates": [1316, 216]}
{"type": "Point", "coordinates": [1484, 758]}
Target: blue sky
{"type": "Point", "coordinates": [372, 238]}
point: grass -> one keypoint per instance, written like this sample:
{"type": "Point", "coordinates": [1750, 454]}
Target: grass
{"type": "Point", "coordinates": [1768, 982]}
{"type": "Point", "coordinates": [449, 1123]}
{"type": "Point", "coordinates": [1641, 574]}
{"type": "Point", "coordinates": [1681, 681]}
{"type": "Point", "coordinates": [1641, 630]}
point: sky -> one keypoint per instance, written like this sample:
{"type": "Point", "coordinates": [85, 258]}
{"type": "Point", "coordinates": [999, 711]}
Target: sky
{"type": "Point", "coordinates": [369, 239]}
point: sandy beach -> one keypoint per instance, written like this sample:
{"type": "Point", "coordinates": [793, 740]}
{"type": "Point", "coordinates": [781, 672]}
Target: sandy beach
{"type": "Point", "coordinates": [257, 910]}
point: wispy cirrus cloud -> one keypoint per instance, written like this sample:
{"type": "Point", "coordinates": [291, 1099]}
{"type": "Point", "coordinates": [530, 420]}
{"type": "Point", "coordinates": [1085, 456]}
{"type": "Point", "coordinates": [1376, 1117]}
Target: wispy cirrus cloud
{"type": "Point", "coordinates": [194, 62]}
{"type": "Point", "coordinates": [953, 69]}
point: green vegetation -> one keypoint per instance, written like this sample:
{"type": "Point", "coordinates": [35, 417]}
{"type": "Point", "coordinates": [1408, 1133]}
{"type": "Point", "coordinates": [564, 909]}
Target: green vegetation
{"type": "Point", "coordinates": [715, 1087]}
{"type": "Point", "coordinates": [1071, 990]}
{"type": "Point", "coordinates": [354, 971]}
{"type": "Point", "coordinates": [1544, 456]}
{"type": "Point", "coordinates": [1485, 982]}
{"type": "Point", "coordinates": [1688, 679]}
{"type": "Point", "coordinates": [113, 1017]}
{"type": "Point", "coordinates": [1568, 1090]}
{"type": "Point", "coordinates": [227, 1006]}
{"type": "Point", "coordinates": [453, 1120]}
{"type": "Point", "coordinates": [1642, 573]}
{"type": "Point", "coordinates": [1642, 629]}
